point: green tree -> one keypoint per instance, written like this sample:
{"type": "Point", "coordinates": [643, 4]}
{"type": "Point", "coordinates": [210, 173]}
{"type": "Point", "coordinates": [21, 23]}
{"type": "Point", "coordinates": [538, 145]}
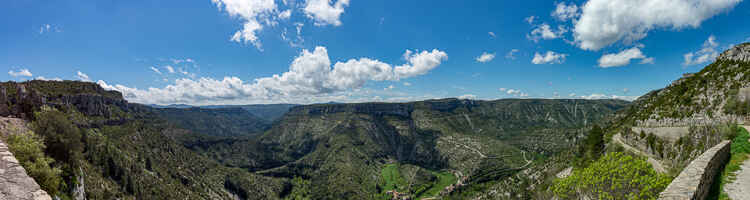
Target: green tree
{"type": "Point", "coordinates": [28, 148]}
{"type": "Point", "coordinates": [300, 189]}
{"type": "Point", "coordinates": [61, 136]}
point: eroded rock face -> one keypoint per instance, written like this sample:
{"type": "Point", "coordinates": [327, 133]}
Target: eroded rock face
{"type": "Point", "coordinates": [15, 184]}
{"type": "Point", "coordinates": [737, 53]}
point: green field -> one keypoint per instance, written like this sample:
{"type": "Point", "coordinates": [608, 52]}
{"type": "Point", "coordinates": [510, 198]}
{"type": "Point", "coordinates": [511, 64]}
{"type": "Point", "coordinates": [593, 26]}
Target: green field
{"type": "Point", "coordinates": [393, 180]}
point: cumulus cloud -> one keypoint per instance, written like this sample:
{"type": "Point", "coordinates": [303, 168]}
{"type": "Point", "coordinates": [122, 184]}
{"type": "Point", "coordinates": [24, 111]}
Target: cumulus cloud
{"type": "Point", "coordinates": [325, 13]}
{"type": "Point", "coordinates": [512, 91]}
{"type": "Point", "coordinates": [407, 84]}
{"type": "Point", "coordinates": [708, 53]}
{"type": "Point", "coordinates": [21, 72]}
{"type": "Point", "coordinates": [549, 58]}
{"type": "Point", "coordinates": [485, 57]}
{"type": "Point", "coordinates": [253, 13]}
{"type": "Point", "coordinates": [503, 89]}
{"type": "Point", "coordinates": [623, 58]}
{"type": "Point", "coordinates": [564, 12]}
{"type": "Point", "coordinates": [310, 75]}
{"type": "Point", "coordinates": [83, 77]}
{"type": "Point", "coordinates": [604, 22]}
{"type": "Point", "coordinates": [544, 31]}
{"type": "Point", "coordinates": [492, 34]}
{"type": "Point", "coordinates": [511, 54]}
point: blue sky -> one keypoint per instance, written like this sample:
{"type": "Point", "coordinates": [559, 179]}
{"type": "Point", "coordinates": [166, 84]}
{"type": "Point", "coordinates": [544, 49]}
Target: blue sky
{"type": "Point", "coordinates": [355, 51]}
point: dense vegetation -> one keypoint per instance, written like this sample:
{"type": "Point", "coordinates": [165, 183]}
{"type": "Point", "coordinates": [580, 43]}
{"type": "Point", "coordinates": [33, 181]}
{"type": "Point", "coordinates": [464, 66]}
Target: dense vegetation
{"type": "Point", "coordinates": [222, 122]}
{"type": "Point", "coordinates": [739, 153]}
{"type": "Point", "coordinates": [28, 148]}
{"type": "Point", "coordinates": [614, 176]}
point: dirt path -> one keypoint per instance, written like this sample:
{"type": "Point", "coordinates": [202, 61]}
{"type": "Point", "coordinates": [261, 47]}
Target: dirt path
{"type": "Point", "coordinates": [655, 163]}
{"type": "Point", "coordinates": [739, 189]}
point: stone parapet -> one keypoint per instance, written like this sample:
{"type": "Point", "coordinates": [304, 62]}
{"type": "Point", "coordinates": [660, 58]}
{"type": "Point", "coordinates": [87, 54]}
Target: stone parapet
{"type": "Point", "coordinates": [694, 182]}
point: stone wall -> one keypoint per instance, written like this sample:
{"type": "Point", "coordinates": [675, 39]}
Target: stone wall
{"type": "Point", "coordinates": [15, 184]}
{"type": "Point", "coordinates": [695, 180]}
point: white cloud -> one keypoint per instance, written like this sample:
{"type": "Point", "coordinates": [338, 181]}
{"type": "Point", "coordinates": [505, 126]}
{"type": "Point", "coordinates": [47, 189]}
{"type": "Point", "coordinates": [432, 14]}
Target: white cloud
{"type": "Point", "coordinates": [513, 92]}
{"type": "Point", "coordinates": [511, 54]}
{"type": "Point", "coordinates": [47, 28]}
{"type": "Point", "coordinates": [605, 22]}
{"type": "Point", "coordinates": [324, 13]}
{"type": "Point", "coordinates": [623, 58]}
{"type": "Point", "coordinates": [178, 61]}
{"type": "Point", "coordinates": [42, 78]}
{"type": "Point", "coordinates": [407, 84]}
{"type": "Point", "coordinates": [549, 58]}
{"type": "Point", "coordinates": [485, 57]}
{"type": "Point", "coordinates": [311, 76]}
{"type": "Point", "coordinates": [503, 89]}
{"type": "Point", "coordinates": [21, 72]}
{"type": "Point", "coordinates": [544, 31]}
{"type": "Point", "coordinates": [625, 90]}
{"type": "Point", "coordinates": [530, 19]}
{"type": "Point", "coordinates": [252, 12]}
{"type": "Point", "coordinates": [155, 70]}
{"type": "Point", "coordinates": [83, 77]}
{"type": "Point", "coordinates": [468, 96]}
{"type": "Point", "coordinates": [285, 14]}
{"type": "Point", "coordinates": [708, 53]}
{"type": "Point", "coordinates": [390, 87]}
{"type": "Point", "coordinates": [492, 34]}
{"type": "Point", "coordinates": [603, 96]}
{"type": "Point", "coordinates": [572, 94]}
{"type": "Point", "coordinates": [565, 12]}
{"type": "Point", "coordinates": [170, 69]}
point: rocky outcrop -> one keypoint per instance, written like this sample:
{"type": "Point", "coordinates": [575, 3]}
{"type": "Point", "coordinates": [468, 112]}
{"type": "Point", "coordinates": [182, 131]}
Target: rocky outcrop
{"type": "Point", "coordinates": [694, 182]}
{"type": "Point", "coordinates": [737, 53]}
{"type": "Point", "coordinates": [15, 184]}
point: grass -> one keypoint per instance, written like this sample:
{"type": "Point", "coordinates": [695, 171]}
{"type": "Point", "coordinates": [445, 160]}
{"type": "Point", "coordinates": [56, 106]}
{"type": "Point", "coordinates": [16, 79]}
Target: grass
{"type": "Point", "coordinates": [739, 153]}
{"type": "Point", "coordinates": [393, 180]}
{"type": "Point", "coordinates": [444, 179]}
{"type": "Point", "coordinates": [392, 177]}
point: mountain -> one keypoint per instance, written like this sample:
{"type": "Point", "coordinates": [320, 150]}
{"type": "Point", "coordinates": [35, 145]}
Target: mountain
{"type": "Point", "coordinates": [222, 122]}
{"type": "Point", "coordinates": [352, 151]}
{"type": "Point", "coordinates": [268, 112]}
{"type": "Point", "coordinates": [107, 148]}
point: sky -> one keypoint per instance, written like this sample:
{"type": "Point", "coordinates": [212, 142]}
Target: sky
{"type": "Point", "coordinates": [210, 52]}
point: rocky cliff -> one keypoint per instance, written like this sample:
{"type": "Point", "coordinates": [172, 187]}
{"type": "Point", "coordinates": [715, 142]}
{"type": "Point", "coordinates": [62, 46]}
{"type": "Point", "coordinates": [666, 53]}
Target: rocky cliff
{"type": "Point", "coordinates": [15, 183]}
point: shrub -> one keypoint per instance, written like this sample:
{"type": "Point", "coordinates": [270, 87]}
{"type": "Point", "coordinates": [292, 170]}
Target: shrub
{"type": "Point", "coordinates": [61, 136]}
{"type": "Point", "coordinates": [614, 176]}
{"type": "Point", "coordinates": [28, 148]}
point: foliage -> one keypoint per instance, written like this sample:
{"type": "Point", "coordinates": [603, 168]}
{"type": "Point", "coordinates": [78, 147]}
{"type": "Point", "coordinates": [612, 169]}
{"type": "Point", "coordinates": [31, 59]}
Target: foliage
{"type": "Point", "coordinates": [739, 153]}
{"type": "Point", "coordinates": [300, 189]}
{"type": "Point", "coordinates": [614, 176]}
{"type": "Point", "coordinates": [592, 146]}
{"type": "Point", "coordinates": [61, 136]}
{"type": "Point", "coordinates": [28, 148]}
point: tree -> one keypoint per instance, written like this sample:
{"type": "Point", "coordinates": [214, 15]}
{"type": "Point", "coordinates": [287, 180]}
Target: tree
{"type": "Point", "coordinates": [61, 136]}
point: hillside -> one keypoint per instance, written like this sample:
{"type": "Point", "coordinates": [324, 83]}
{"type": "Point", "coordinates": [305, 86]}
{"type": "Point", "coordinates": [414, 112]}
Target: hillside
{"type": "Point", "coordinates": [221, 122]}
{"type": "Point", "coordinates": [108, 148]}
{"type": "Point", "coordinates": [344, 150]}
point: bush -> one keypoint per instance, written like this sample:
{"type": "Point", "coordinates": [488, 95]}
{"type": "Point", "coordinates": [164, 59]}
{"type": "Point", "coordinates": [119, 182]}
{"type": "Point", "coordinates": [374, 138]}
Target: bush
{"type": "Point", "coordinates": [28, 148]}
{"type": "Point", "coordinates": [614, 176]}
{"type": "Point", "coordinates": [61, 136]}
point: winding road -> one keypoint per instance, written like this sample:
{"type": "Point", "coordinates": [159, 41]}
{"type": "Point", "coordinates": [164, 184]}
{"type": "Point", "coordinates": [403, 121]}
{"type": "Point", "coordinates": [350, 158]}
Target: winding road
{"type": "Point", "coordinates": [654, 162]}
